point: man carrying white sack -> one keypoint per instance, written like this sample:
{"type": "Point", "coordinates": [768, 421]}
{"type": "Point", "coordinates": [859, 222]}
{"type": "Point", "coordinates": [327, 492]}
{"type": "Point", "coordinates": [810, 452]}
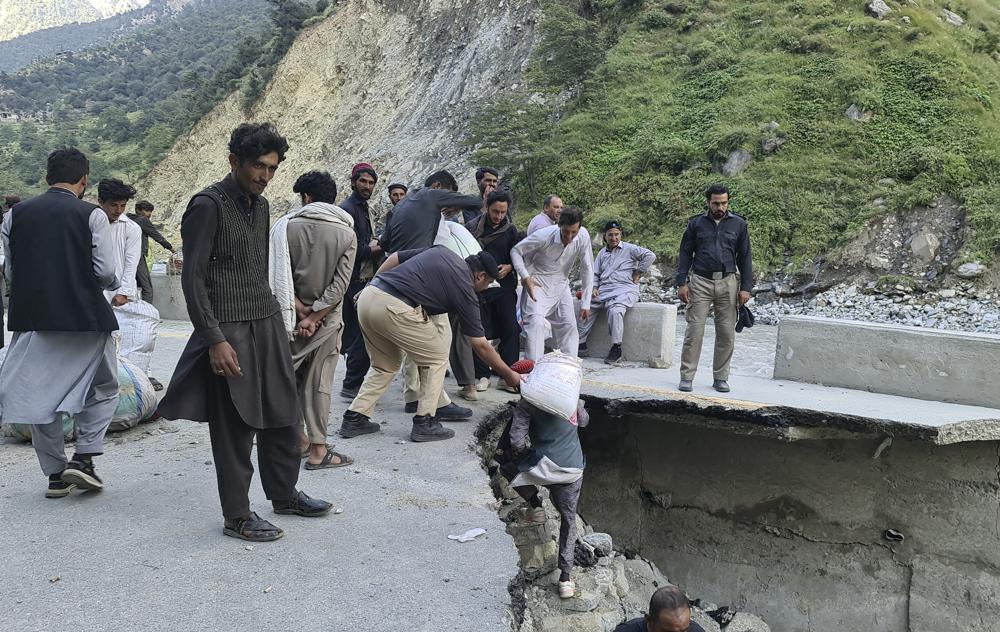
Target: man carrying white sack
{"type": "Point", "coordinates": [617, 270]}
{"type": "Point", "coordinates": [138, 321]}
{"type": "Point", "coordinates": [543, 261]}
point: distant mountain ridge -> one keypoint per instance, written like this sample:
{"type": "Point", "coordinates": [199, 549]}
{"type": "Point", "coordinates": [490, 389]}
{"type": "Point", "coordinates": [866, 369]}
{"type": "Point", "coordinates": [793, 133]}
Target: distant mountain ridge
{"type": "Point", "coordinates": [20, 17]}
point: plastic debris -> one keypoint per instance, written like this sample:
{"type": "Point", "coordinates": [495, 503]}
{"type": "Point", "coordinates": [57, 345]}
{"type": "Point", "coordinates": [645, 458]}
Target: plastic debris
{"type": "Point", "coordinates": [469, 535]}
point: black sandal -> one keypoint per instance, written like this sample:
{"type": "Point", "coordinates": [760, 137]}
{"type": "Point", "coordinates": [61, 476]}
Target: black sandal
{"type": "Point", "coordinates": [327, 462]}
{"type": "Point", "coordinates": [253, 528]}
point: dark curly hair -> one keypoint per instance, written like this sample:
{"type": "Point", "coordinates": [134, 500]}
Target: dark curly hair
{"type": "Point", "coordinates": [114, 190]}
{"type": "Point", "coordinates": [319, 185]}
{"type": "Point", "coordinates": [252, 140]}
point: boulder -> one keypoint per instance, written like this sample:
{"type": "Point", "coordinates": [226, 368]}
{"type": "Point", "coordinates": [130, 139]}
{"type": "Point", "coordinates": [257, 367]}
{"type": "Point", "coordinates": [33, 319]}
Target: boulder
{"type": "Point", "coordinates": [925, 246]}
{"type": "Point", "coordinates": [737, 162]}
{"type": "Point", "coordinates": [601, 542]}
{"type": "Point", "coordinates": [857, 114]}
{"type": "Point", "coordinates": [971, 270]}
{"type": "Point", "coordinates": [771, 145]}
{"type": "Point", "coordinates": [952, 18]}
{"type": "Point", "coordinates": [746, 622]}
{"type": "Point", "coordinates": [878, 9]}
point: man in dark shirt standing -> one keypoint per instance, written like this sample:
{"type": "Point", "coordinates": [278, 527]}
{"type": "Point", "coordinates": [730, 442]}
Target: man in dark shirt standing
{"type": "Point", "coordinates": [487, 179]}
{"type": "Point", "coordinates": [715, 246]}
{"type": "Point", "coordinates": [142, 215]}
{"type": "Point", "coordinates": [236, 371]}
{"type": "Point", "coordinates": [498, 235]}
{"type": "Point", "coordinates": [363, 180]}
{"type": "Point", "coordinates": [394, 311]}
{"type": "Point", "coordinates": [669, 611]}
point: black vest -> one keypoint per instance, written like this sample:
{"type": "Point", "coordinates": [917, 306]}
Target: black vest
{"type": "Point", "coordinates": [236, 279]}
{"type": "Point", "coordinates": [53, 286]}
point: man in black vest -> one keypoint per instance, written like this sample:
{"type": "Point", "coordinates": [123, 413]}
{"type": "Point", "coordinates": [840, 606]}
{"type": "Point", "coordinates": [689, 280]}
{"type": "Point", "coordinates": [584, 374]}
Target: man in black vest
{"type": "Point", "coordinates": [62, 357]}
{"type": "Point", "coordinates": [363, 180]}
{"type": "Point", "coordinates": [236, 371]}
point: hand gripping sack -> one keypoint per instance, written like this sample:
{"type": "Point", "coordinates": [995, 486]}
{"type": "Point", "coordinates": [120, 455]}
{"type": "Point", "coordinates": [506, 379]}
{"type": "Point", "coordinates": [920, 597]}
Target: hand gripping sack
{"type": "Point", "coordinates": [554, 384]}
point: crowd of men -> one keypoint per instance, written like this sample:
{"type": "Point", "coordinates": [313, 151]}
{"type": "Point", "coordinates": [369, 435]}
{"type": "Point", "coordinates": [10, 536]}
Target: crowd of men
{"type": "Point", "coordinates": [274, 307]}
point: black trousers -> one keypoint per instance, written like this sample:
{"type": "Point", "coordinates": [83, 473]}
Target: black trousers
{"type": "Point", "coordinates": [278, 456]}
{"type": "Point", "coordinates": [358, 363]}
{"type": "Point", "coordinates": [143, 281]}
{"type": "Point", "coordinates": [499, 314]}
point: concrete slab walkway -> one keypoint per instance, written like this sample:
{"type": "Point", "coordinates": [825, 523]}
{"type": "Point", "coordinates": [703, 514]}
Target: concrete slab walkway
{"type": "Point", "coordinates": [148, 552]}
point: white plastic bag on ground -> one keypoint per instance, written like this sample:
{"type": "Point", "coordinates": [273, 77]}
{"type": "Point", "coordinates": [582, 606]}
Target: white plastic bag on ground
{"type": "Point", "coordinates": [554, 384]}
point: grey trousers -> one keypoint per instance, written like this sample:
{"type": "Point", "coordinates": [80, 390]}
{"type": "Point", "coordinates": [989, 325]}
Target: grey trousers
{"type": "Point", "coordinates": [91, 425]}
{"type": "Point", "coordinates": [720, 295]}
{"type": "Point", "coordinates": [616, 322]}
{"type": "Point", "coordinates": [460, 356]}
{"type": "Point", "coordinates": [565, 499]}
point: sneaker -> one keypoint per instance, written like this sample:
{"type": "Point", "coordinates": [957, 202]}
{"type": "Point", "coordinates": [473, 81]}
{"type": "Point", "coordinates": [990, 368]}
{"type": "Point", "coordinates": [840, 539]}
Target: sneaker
{"type": "Point", "coordinates": [469, 393]}
{"type": "Point", "coordinates": [614, 355]}
{"type": "Point", "coordinates": [483, 384]}
{"type": "Point", "coordinates": [156, 383]}
{"type": "Point", "coordinates": [567, 590]}
{"type": "Point", "coordinates": [253, 528]}
{"type": "Point", "coordinates": [686, 386]}
{"type": "Point", "coordinates": [721, 385]}
{"type": "Point", "coordinates": [356, 424]}
{"type": "Point", "coordinates": [410, 407]}
{"type": "Point", "coordinates": [82, 474]}
{"type": "Point", "coordinates": [59, 488]}
{"type": "Point", "coordinates": [452, 412]}
{"type": "Point", "coordinates": [426, 428]}
{"type": "Point", "coordinates": [349, 393]}
{"type": "Point", "coordinates": [581, 351]}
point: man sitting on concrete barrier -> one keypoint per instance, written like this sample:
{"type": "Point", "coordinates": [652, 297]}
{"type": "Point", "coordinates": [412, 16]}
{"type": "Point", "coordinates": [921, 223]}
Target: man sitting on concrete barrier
{"type": "Point", "coordinates": [394, 312]}
{"type": "Point", "coordinates": [543, 261]}
{"type": "Point", "coordinates": [617, 270]}
{"type": "Point", "coordinates": [669, 611]}
{"type": "Point", "coordinates": [715, 246]}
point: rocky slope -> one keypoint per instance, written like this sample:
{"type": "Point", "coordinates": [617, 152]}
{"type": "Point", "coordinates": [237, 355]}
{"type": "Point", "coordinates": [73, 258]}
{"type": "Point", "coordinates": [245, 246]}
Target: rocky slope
{"type": "Point", "coordinates": [19, 17]}
{"type": "Point", "coordinates": [392, 83]}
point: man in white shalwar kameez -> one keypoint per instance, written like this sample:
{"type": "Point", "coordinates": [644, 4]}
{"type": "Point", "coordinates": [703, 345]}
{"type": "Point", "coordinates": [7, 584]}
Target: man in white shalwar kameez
{"type": "Point", "coordinates": [62, 357]}
{"type": "Point", "coordinates": [138, 321]}
{"type": "Point", "coordinates": [544, 261]}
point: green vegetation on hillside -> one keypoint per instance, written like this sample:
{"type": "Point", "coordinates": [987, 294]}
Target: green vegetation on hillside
{"type": "Point", "coordinates": [126, 103]}
{"type": "Point", "coordinates": [661, 93]}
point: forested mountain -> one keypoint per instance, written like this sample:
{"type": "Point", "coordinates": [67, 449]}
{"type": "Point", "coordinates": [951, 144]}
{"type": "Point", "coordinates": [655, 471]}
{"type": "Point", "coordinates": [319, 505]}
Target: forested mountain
{"type": "Point", "coordinates": [19, 17]}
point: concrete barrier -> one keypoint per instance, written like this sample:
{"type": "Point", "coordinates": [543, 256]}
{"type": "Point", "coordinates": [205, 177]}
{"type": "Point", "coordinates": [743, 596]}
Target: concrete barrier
{"type": "Point", "coordinates": [650, 329]}
{"type": "Point", "coordinates": [168, 297]}
{"type": "Point", "coordinates": [913, 362]}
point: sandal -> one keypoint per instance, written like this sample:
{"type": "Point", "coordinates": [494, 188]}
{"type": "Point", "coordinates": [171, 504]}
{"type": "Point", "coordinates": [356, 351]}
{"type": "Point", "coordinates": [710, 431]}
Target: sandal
{"type": "Point", "coordinates": [328, 463]}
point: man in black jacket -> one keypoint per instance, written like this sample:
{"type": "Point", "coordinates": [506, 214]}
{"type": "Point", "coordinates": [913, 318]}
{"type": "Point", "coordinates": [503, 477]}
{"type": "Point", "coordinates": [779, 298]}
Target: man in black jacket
{"type": "Point", "coordinates": [363, 181]}
{"type": "Point", "coordinates": [715, 246]}
{"type": "Point", "coordinates": [142, 215]}
{"type": "Point", "coordinates": [62, 357]}
{"type": "Point", "coordinates": [498, 235]}
{"type": "Point", "coordinates": [236, 370]}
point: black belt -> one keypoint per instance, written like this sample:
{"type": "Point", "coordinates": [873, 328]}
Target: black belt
{"type": "Point", "coordinates": [391, 291]}
{"type": "Point", "coordinates": [713, 276]}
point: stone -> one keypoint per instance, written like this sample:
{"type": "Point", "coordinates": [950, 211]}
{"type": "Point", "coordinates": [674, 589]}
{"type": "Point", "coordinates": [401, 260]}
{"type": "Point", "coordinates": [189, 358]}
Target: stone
{"type": "Point", "coordinates": [771, 145]}
{"type": "Point", "coordinates": [602, 543]}
{"type": "Point", "coordinates": [706, 622]}
{"type": "Point", "coordinates": [878, 9]}
{"type": "Point", "coordinates": [585, 601]}
{"type": "Point", "coordinates": [925, 246]}
{"type": "Point", "coordinates": [737, 162]}
{"type": "Point", "coordinates": [746, 622]}
{"type": "Point", "coordinates": [857, 114]}
{"type": "Point", "coordinates": [952, 18]}
{"type": "Point", "coordinates": [972, 270]}
{"type": "Point", "coordinates": [947, 293]}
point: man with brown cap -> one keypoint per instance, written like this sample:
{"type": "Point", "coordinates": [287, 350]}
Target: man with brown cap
{"type": "Point", "coordinates": [363, 181]}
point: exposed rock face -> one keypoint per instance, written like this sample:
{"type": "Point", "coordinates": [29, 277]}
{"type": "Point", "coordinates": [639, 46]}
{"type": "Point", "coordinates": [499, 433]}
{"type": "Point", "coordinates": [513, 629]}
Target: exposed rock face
{"type": "Point", "coordinates": [925, 245]}
{"type": "Point", "coordinates": [737, 162]}
{"type": "Point", "coordinates": [855, 113]}
{"type": "Point", "coordinates": [415, 69]}
{"type": "Point", "coordinates": [20, 16]}
{"type": "Point", "coordinates": [952, 18]}
{"type": "Point", "coordinates": [878, 9]}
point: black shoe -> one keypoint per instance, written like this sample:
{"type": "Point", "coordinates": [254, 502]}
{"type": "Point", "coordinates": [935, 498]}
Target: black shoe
{"type": "Point", "coordinates": [156, 383]}
{"type": "Point", "coordinates": [452, 412]}
{"type": "Point", "coordinates": [614, 355]}
{"type": "Point", "coordinates": [58, 488]}
{"type": "Point", "coordinates": [410, 407]}
{"type": "Point", "coordinates": [426, 428]}
{"type": "Point", "coordinates": [581, 351]}
{"type": "Point", "coordinates": [721, 385]}
{"type": "Point", "coordinates": [302, 505]}
{"type": "Point", "coordinates": [82, 474]}
{"type": "Point", "coordinates": [356, 424]}
{"type": "Point", "coordinates": [253, 528]}
{"type": "Point", "coordinates": [686, 386]}
{"type": "Point", "coordinates": [349, 393]}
